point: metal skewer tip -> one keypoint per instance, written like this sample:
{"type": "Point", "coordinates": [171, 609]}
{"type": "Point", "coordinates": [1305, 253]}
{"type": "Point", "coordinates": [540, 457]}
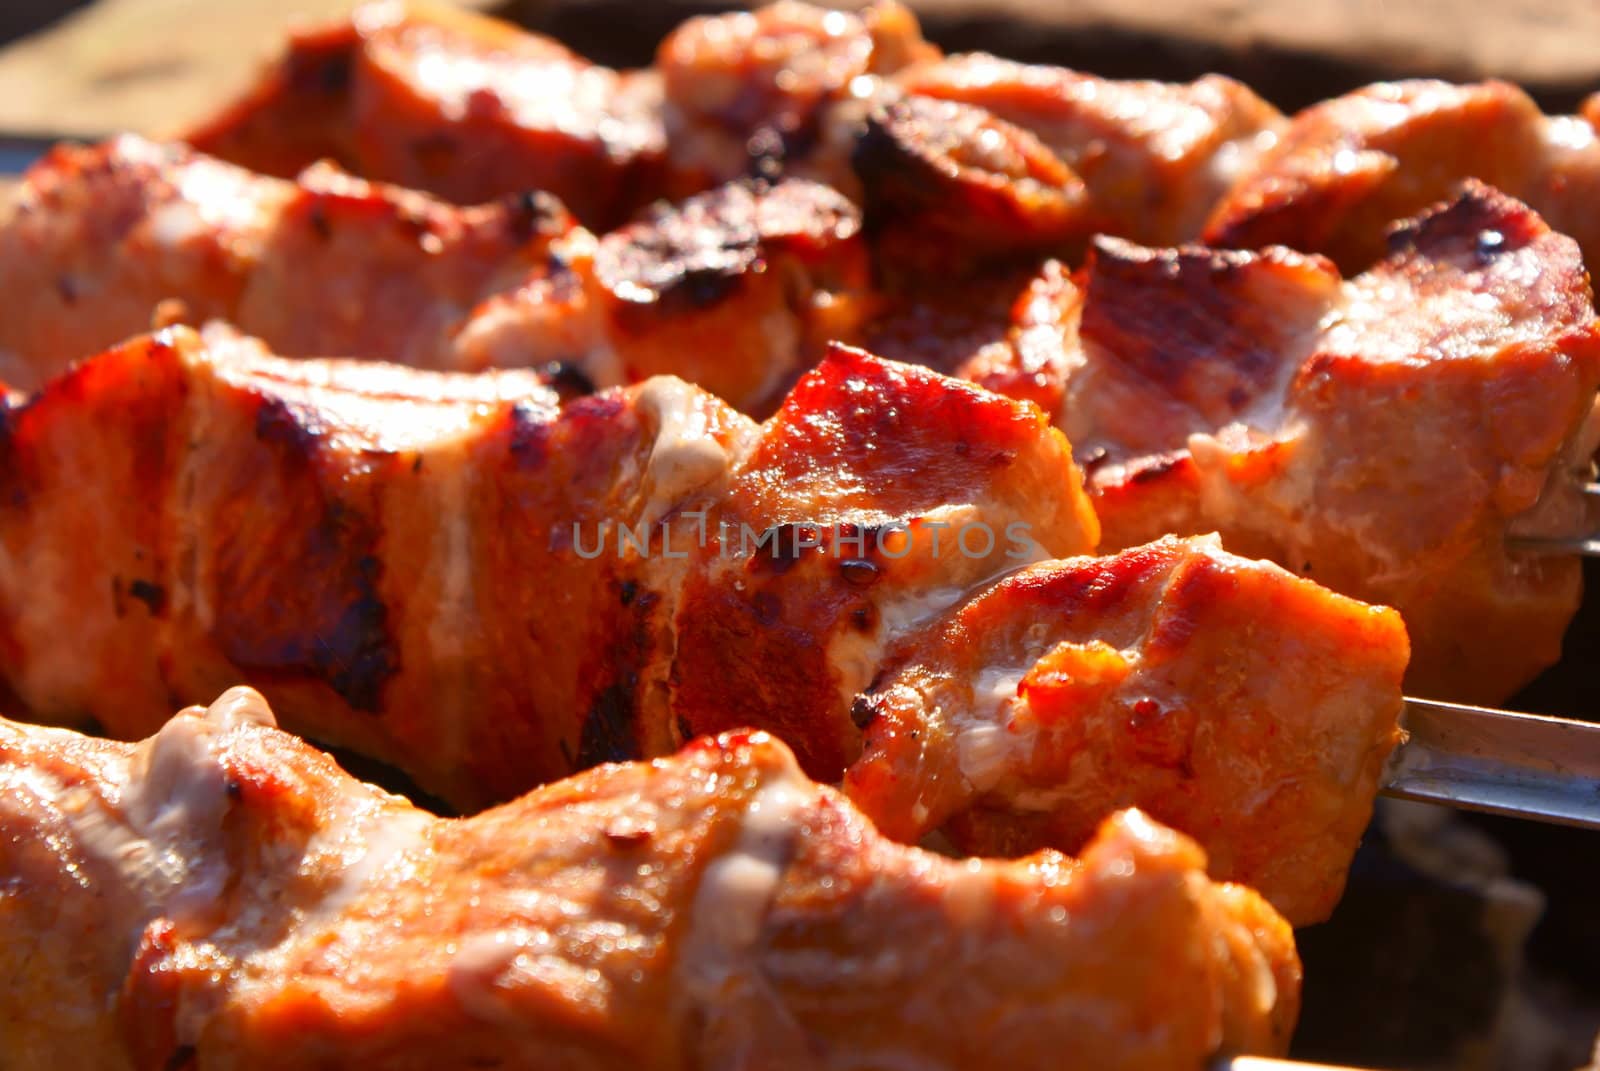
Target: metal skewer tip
{"type": "Point", "coordinates": [1523, 765]}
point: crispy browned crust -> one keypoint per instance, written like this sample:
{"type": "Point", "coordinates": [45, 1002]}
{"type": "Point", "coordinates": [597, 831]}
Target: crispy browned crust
{"type": "Point", "coordinates": [519, 113]}
{"type": "Point", "coordinates": [737, 290]}
{"type": "Point", "coordinates": [1154, 157]}
{"type": "Point", "coordinates": [779, 87]}
{"type": "Point", "coordinates": [1159, 678]}
{"type": "Point", "coordinates": [710, 910]}
{"type": "Point", "coordinates": [1346, 167]}
{"type": "Point", "coordinates": [1382, 436]}
{"type": "Point", "coordinates": [394, 557]}
{"type": "Point", "coordinates": [947, 185]}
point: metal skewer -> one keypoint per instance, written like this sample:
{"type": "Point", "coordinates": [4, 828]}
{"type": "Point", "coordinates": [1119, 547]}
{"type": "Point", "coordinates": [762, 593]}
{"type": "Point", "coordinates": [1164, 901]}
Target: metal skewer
{"type": "Point", "coordinates": [1524, 765]}
{"type": "Point", "coordinates": [1263, 1063]}
{"type": "Point", "coordinates": [1587, 546]}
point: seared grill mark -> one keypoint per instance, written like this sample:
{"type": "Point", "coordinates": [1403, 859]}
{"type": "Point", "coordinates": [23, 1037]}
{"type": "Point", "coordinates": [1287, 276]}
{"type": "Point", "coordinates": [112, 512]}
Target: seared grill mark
{"type": "Point", "coordinates": [152, 595]}
{"type": "Point", "coordinates": [944, 170]}
{"type": "Point", "coordinates": [608, 729]}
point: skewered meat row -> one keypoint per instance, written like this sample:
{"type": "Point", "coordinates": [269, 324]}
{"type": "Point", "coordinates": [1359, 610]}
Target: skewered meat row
{"type": "Point", "coordinates": [223, 895]}
{"type": "Point", "coordinates": [454, 575]}
{"type": "Point", "coordinates": [1344, 167]}
{"type": "Point", "coordinates": [472, 109]}
{"type": "Point", "coordinates": [442, 101]}
{"type": "Point", "coordinates": [1255, 394]}
{"type": "Point", "coordinates": [738, 290]}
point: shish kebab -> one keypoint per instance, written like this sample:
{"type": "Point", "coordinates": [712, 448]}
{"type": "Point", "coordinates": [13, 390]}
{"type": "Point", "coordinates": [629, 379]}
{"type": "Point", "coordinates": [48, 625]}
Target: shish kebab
{"type": "Point", "coordinates": [222, 895]}
{"type": "Point", "coordinates": [393, 556]}
{"type": "Point", "coordinates": [356, 203]}
{"type": "Point", "coordinates": [1255, 394]}
{"type": "Point", "coordinates": [407, 218]}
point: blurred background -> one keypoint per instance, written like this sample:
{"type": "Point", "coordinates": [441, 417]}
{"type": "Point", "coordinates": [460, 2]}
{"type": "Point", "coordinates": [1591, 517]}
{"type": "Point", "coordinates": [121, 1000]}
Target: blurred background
{"type": "Point", "coordinates": [88, 68]}
{"type": "Point", "coordinates": [1463, 943]}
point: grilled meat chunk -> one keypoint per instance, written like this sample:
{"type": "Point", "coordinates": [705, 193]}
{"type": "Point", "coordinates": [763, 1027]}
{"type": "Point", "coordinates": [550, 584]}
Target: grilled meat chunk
{"type": "Point", "coordinates": [457, 576]}
{"type": "Point", "coordinates": [223, 895]}
{"type": "Point", "coordinates": [1383, 436]}
{"type": "Point", "coordinates": [462, 106]}
{"type": "Point", "coordinates": [1156, 679]}
{"type": "Point", "coordinates": [946, 183]}
{"type": "Point", "coordinates": [1346, 167]}
{"type": "Point", "coordinates": [738, 290]}
{"type": "Point", "coordinates": [102, 239]}
{"type": "Point", "coordinates": [781, 85]}
{"type": "Point", "coordinates": [1155, 157]}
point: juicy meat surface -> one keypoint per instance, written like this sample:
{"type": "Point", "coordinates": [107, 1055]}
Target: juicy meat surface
{"type": "Point", "coordinates": [1159, 678]}
{"type": "Point", "coordinates": [1385, 436]}
{"type": "Point", "coordinates": [1154, 157]}
{"type": "Point", "coordinates": [457, 104]}
{"type": "Point", "coordinates": [222, 895]}
{"type": "Point", "coordinates": [456, 575]}
{"type": "Point", "coordinates": [738, 290]}
{"type": "Point", "coordinates": [101, 240]}
{"type": "Point", "coordinates": [947, 186]}
{"type": "Point", "coordinates": [779, 86]}
{"type": "Point", "coordinates": [1345, 167]}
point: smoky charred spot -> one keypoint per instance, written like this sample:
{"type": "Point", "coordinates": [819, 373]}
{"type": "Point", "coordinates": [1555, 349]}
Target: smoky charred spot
{"type": "Point", "coordinates": [317, 217]}
{"type": "Point", "coordinates": [777, 549]}
{"type": "Point", "coordinates": [768, 608]}
{"type": "Point", "coordinates": [154, 596]}
{"type": "Point", "coordinates": [608, 731]}
{"type": "Point", "coordinates": [535, 213]}
{"type": "Point", "coordinates": [279, 424]}
{"type": "Point", "coordinates": [322, 68]}
{"type": "Point", "coordinates": [686, 258]}
{"type": "Point", "coordinates": [864, 618]}
{"type": "Point", "coordinates": [959, 169]}
{"type": "Point", "coordinates": [13, 490]}
{"type": "Point", "coordinates": [626, 591]}
{"type": "Point", "coordinates": [182, 1058]}
{"type": "Point", "coordinates": [567, 380]}
{"type": "Point", "coordinates": [357, 658]}
{"type": "Point", "coordinates": [864, 710]}
{"type": "Point", "coordinates": [681, 259]}
{"type": "Point", "coordinates": [329, 623]}
{"type": "Point", "coordinates": [1479, 224]}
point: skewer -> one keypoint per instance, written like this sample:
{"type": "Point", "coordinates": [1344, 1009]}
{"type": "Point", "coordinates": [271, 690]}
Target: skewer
{"type": "Point", "coordinates": [1587, 546]}
{"type": "Point", "coordinates": [1263, 1063]}
{"type": "Point", "coordinates": [1498, 761]}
